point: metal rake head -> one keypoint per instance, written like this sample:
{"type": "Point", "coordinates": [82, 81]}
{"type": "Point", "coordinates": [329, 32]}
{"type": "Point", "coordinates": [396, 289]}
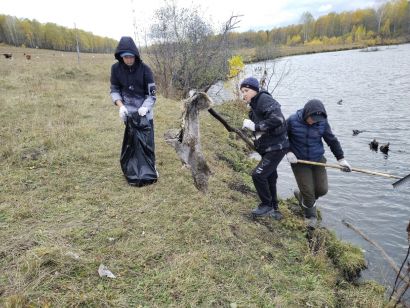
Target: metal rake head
{"type": "Point", "coordinates": [401, 181]}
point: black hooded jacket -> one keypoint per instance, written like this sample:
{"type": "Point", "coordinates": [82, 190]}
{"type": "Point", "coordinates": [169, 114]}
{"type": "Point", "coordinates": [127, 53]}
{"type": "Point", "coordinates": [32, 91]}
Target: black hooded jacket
{"type": "Point", "coordinates": [270, 124]}
{"type": "Point", "coordinates": [133, 85]}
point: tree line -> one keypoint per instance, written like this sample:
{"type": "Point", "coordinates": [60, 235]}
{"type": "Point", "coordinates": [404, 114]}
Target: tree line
{"type": "Point", "coordinates": [389, 21]}
{"type": "Point", "coordinates": [187, 53]}
{"type": "Point", "coordinates": [384, 24]}
{"type": "Point", "coordinates": [33, 34]}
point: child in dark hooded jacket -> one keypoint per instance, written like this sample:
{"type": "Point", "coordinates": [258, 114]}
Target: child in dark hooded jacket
{"type": "Point", "coordinates": [306, 130]}
{"type": "Point", "coordinates": [133, 91]}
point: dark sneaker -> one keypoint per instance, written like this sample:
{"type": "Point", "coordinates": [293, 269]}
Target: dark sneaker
{"type": "Point", "coordinates": [277, 215]}
{"type": "Point", "coordinates": [263, 210]}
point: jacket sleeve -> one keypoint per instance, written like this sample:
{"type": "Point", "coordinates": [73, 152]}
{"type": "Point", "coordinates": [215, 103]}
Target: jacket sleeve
{"type": "Point", "coordinates": [149, 88]}
{"type": "Point", "coordinates": [333, 142]}
{"type": "Point", "coordinates": [115, 88]}
{"type": "Point", "coordinates": [289, 131]}
{"type": "Point", "coordinates": [272, 115]}
{"type": "Point", "coordinates": [288, 126]}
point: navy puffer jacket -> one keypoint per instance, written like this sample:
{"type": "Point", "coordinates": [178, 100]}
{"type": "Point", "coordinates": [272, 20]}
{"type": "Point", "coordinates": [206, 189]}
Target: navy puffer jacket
{"type": "Point", "coordinates": [270, 124]}
{"type": "Point", "coordinates": [306, 140]}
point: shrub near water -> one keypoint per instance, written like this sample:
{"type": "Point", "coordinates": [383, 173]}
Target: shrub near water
{"type": "Point", "coordinates": [65, 208]}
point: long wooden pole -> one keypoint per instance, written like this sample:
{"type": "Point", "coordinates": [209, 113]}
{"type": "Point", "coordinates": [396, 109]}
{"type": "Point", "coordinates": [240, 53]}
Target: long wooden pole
{"type": "Point", "coordinates": [307, 162]}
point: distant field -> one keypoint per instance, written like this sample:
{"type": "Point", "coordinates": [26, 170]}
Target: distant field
{"type": "Point", "coordinates": [65, 208]}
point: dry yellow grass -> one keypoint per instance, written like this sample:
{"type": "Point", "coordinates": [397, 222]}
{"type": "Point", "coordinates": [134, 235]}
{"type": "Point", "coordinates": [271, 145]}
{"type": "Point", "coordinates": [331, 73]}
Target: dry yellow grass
{"type": "Point", "coordinates": [65, 208]}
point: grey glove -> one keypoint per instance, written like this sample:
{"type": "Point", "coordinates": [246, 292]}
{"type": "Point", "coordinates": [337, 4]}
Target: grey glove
{"type": "Point", "coordinates": [291, 157]}
{"type": "Point", "coordinates": [343, 163]}
{"type": "Point", "coordinates": [123, 113]}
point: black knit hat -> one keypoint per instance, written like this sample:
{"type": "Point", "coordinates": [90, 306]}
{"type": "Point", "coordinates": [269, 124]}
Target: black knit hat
{"type": "Point", "coordinates": [251, 83]}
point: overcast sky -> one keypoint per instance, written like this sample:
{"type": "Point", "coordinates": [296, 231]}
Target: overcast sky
{"type": "Point", "coordinates": [116, 18]}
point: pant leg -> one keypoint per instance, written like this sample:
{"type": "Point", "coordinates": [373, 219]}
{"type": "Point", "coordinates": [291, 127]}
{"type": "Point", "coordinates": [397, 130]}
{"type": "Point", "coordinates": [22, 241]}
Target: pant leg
{"type": "Point", "coordinates": [264, 173]}
{"type": "Point", "coordinates": [272, 182]}
{"type": "Point", "coordinates": [304, 179]}
{"type": "Point", "coordinates": [320, 180]}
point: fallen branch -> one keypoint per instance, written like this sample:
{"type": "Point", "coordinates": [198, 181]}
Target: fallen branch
{"type": "Point", "coordinates": [229, 128]}
{"type": "Point", "coordinates": [397, 293]}
{"type": "Point", "coordinates": [385, 255]}
{"type": "Point", "coordinates": [396, 297]}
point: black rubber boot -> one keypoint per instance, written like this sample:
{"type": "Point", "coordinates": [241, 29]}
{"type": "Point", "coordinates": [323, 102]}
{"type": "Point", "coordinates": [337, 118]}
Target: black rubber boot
{"type": "Point", "coordinates": [263, 210]}
{"type": "Point", "coordinates": [297, 208]}
{"type": "Point", "coordinates": [310, 211]}
{"type": "Point", "coordinates": [310, 216]}
{"type": "Point", "coordinates": [298, 197]}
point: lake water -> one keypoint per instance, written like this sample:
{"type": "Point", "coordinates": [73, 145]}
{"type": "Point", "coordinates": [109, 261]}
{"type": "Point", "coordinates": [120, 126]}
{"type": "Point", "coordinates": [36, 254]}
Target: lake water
{"type": "Point", "coordinates": [375, 91]}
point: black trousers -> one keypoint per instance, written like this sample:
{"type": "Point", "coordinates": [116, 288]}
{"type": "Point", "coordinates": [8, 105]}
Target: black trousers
{"type": "Point", "coordinates": [265, 176]}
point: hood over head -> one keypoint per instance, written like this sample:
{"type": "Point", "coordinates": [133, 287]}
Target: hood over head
{"type": "Point", "coordinates": [315, 109]}
{"type": "Point", "coordinates": [127, 45]}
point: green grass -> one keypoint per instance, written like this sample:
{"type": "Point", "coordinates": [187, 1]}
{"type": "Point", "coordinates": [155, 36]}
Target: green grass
{"type": "Point", "coordinates": [65, 208]}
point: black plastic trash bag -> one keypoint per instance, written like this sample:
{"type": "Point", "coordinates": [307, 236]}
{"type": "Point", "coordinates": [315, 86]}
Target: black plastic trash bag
{"type": "Point", "coordinates": [137, 153]}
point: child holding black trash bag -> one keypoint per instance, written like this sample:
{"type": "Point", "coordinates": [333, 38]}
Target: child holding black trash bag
{"type": "Point", "coordinates": [133, 91]}
{"type": "Point", "coordinates": [268, 124]}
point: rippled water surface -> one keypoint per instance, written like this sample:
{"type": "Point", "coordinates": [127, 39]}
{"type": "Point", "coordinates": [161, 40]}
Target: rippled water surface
{"type": "Point", "coordinates": [375, 91]}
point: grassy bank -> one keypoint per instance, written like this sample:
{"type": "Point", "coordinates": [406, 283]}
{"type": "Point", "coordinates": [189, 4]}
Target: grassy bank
{"type": "Point", "coordinates": [65, 208]}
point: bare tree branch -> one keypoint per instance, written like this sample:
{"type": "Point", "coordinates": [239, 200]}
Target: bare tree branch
{"type": "Point", "coordinates": [186, 51]}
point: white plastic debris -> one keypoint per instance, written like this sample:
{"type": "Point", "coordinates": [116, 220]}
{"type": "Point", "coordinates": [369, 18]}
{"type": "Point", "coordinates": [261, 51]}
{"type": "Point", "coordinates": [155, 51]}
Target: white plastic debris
{"type": "Point", "coordinates": [104, 271]}
{"type": "Point", "coordinates": [73, 255]}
